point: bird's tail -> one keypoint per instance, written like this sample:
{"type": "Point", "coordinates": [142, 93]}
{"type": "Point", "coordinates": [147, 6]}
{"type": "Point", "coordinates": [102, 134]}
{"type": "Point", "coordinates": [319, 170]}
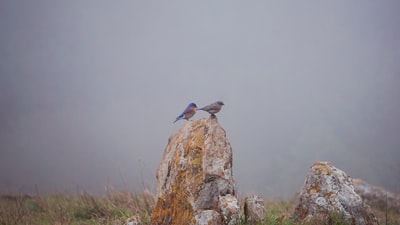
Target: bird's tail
{"type": "Point", "coordinates": [178, 118]}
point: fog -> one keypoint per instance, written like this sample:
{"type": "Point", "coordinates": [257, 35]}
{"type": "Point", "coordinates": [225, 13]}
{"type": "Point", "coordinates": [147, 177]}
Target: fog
{"type": "Point", "coordinates": [89, 90]}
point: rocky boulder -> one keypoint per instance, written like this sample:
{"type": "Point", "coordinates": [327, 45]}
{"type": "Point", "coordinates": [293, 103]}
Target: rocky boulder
{"type": "Point", "coordinates": [328, 195]}
{"type": "Point", "coordinates": [377, 196]}
{"type": "Point", "coordinates": [254, 209]}
{"type": "Point", "coordinates": [194, 179]}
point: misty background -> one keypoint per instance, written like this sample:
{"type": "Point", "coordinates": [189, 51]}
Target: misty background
{"type": "Point", "coordinates": [89, 90]}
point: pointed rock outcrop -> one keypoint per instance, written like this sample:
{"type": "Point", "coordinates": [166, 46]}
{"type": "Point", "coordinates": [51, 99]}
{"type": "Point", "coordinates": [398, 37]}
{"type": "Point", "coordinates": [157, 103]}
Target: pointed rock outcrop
{"type": "Point", "coordinates": [194, 179]}
{"type": "Point", "coordinates": [328, 195]}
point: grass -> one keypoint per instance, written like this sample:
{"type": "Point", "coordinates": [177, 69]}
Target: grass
{"type": "Point", "coordinates": [116, 207]}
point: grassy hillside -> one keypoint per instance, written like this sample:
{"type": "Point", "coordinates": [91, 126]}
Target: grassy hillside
{"type": "Point", "coordinates": [116, 207]}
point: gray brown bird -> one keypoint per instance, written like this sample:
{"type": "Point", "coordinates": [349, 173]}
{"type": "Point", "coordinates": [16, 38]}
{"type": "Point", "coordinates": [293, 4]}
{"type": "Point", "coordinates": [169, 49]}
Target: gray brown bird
{"type": "Point", "coordinates": [213, 107]}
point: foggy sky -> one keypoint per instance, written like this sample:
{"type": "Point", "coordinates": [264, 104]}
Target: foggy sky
{"type": "Point", "coordinates": [89, 89]}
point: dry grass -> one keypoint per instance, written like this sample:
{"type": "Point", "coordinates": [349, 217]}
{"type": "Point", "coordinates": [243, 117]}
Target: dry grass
{"type": "Point", "coordinates": [116, 207]}
{"type": "Point", "coordinates": [387, 216]}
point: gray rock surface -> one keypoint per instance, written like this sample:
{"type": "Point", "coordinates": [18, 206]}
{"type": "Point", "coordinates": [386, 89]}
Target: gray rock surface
{"type": "Point", "coordinates": [208, 217]}
{"type": "Point", "coordinates": [134, 220]}
{"type": "Point", "coordinates": [377, 196]}
{"type": "Point", "coordinates": [254, 209]}
{"type": "Point", "coordinates": [328, 195]}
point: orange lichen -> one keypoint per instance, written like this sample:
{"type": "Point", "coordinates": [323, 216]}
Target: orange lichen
{"type": "Point", "coordinates": [316, 188]}
{"type": "Point", "coordinates": [322, 168]}
{"type": "Point", "coordinates": [313, 191]}
{"type": "Point", "coordinates": [175, 207]}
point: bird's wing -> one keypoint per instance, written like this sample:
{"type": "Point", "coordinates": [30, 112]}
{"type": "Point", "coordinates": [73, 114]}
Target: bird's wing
{"type": "Point", "coordinates": [188, 110]}
{"type": "Point", "coordinates": [209, 107]}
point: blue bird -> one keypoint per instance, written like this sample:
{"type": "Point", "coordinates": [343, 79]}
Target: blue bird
{"type": "Point", "coordinates": [213, 107]}
{"type": "Point", "coordinates": [188, 113]}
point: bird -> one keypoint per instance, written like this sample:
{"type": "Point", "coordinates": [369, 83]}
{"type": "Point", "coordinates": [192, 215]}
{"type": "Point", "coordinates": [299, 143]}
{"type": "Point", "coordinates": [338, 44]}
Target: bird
{"type": "Point", "coordinates": [188, 112]}
{"type": "Point", "coordinates": [213, 107]}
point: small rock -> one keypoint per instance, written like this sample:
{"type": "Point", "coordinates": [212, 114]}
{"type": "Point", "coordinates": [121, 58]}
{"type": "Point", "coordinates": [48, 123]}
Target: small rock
{"type": "Point", "coordinates": [134, 220]}
{"type": "Point", "coordinates": [328, 195]}
{"type": "Point", "coordinates": [230, 209]}
{"type": "Point", "coordinates": [254, 209]}
{"type": "Point", "coordinates": [208, 217]}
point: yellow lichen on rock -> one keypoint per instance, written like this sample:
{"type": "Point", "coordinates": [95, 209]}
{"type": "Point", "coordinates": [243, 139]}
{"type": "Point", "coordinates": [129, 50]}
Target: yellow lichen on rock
{"type": "Point", "coordinates": [194, 174]}
{"type": "Point", "coordinates": [322, 168]}
{"type": "Point", "coordinates": [175, 205]}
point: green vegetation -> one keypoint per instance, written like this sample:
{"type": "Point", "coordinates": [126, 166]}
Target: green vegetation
{"type": "Point", "coordinates": [116, 207]}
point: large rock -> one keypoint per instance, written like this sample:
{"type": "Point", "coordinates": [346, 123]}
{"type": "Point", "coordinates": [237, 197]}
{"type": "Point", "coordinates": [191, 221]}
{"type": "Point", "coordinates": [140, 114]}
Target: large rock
{"type": "Point", "coordinates": [194, 180]}
{"type": "Point", "coordinates": [328, 195]}
{"type": "Point", "coordinates": [254, 209]}
{"type": "Point", "coordinates": [377, 196]}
